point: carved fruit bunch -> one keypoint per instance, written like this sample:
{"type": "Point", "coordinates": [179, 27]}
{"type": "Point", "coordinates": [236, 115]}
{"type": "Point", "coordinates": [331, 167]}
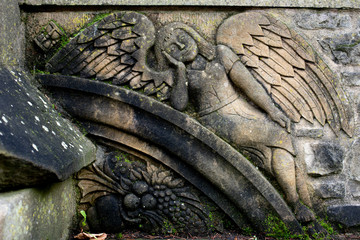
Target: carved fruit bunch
{"type": "Point", "coordinates": [143, 196]}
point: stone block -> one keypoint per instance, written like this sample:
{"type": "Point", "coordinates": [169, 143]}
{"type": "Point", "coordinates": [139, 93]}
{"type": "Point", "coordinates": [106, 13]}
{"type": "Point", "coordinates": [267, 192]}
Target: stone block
{"type": "Point", "coordinates": [352, 78]}
{"type": "Point", "coordinates": [36, 144]}
{"type": "Point", "coordinates": [38, 213]}
{"type": "Point", "coordinates": [344, 48]}
{"type": "Point", "coordinates": [328, 159]}
{"type": "Point", "coordinates": [354, 188]}
{"type": "Point", "coordinates": [330, 189]}
{"type": "Point", "coordinates": [355, 168]}
{"type": "Point", "coordinates": [348, 215]}
{"type": "Point", "coordinates": [12, 34]}
{"type": "Point", "coordinates": [327, 20]}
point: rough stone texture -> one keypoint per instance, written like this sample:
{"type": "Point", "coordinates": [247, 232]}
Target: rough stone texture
{"type": "Point", "coordinates": [11, 34]}
{"type": "Point", "coordinates": [352, 78]}
{"type": "Point", "coordinates": [330, 189]}
{"type": "Point", "coordinates": [253, 3]}
{"type": "Point", "coordinates": [354, 188]}
{"type": "Point", "coordinates": [345, 48]}
{"type": "Point", "coordinates": [328, 159]}
{"type": "Point", "coordinates": [311, 133]}
{"type": "Point", "coordinates": [323, 20]}
{"type": "Point", "coordinates": [36, 145]}
{"type": "Point", "coordinates": [348, 215]}
{"type": "Point", "coordinates": [185, 138]}
{"type": "Point", "coordinates": [38, 213]}
{"type": "Point", "coordinates": [325, 30]}
{"type": "Point", "coordinates": [153, 193]}
{"type": "Point", "coordinates": [355, 169]}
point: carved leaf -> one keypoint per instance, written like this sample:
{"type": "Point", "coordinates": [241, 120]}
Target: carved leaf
{"type": "Point", "coordinates": [290, 70]}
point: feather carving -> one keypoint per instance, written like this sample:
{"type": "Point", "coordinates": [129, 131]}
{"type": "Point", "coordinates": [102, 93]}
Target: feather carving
{"type": "Point", "coordinates": [290, 70]}
{"type": "Point", "coordinates": [114, 49]}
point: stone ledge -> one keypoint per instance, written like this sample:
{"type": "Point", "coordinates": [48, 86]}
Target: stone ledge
{"type": "Point", "coordinates": [37, 146]}
{"type": "Point", "coordinates": [38, 213]}
{"type": "Point", "coordinates": [238, 3]}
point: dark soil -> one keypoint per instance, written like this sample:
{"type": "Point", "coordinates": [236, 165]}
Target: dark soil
{"type": "Point", "coordinates": [228, 235]}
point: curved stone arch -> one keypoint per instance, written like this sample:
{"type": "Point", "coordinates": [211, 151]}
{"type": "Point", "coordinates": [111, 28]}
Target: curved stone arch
{"type": "Point", "coordinates": [178, 134]}
{"type": "Point", "coordinates": [149, 152]}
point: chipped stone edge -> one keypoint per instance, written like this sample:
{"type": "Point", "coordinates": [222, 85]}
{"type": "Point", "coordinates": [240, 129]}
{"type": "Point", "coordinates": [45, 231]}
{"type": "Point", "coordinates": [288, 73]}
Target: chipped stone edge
{"type": "Point", "coordinates": [225, 3]}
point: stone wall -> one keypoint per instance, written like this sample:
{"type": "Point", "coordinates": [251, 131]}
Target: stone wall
{"type": "Point", "coordinates": [332, 28]}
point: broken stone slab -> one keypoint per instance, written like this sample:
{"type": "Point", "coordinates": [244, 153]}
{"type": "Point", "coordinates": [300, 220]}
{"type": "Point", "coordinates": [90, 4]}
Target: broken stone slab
{"type": "Point", "coordinates": [348, 215]}
{"type": "Point", "coordinates": [39, 213]}
{"type": "Point", "coordinates": [36, 145]}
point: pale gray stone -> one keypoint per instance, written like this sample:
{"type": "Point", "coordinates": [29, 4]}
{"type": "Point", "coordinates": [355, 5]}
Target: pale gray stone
{"type": "Point", "coordinates": [354, 188]}
{"type": "Point", "coordinates": [38, 213]}
{"type": "Point", "coordinates": [344, 48]}
{"type": "Point", "coordinates": [330, 189]}
{"type": "Point", "coordinates": [352, 78]}
{"type": "Point", "coordinates": [323, 20]}
{"type": "Point", "coordinates": [253, 3]}
{"type": "Point", "coordinates": [355, 166]}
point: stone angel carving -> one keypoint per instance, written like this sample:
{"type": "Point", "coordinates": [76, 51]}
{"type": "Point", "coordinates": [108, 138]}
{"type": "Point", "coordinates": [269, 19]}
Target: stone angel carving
{"type": "Point", "coordinates": [247, 88]}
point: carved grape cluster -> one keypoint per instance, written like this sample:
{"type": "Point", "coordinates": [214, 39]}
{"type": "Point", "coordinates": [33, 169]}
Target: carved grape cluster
{"type": "Point", "coordinates": [148, 195]}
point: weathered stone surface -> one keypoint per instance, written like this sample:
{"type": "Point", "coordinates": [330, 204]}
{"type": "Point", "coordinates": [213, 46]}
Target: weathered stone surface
{"type": "Point", "coordinates": [328, 159]}
{"type": "Point", "coordinates": [352, 78]}
{"type": "Point", "coordinates": [11, 34]}
{"type": "Point", "coordinates": [355, 166]}
{"type": "Point", "coordinates": [327, 20]}
{"type": "Point", "coordinates": [49, 36]}
{"type": "Point", "coordinates": [330, 189]}
{"type": "Point", "coordinates": [177, 133]}
{"type": "Point", "coordinates": [354, 188]}
{"type": "Point", "coordinates": [209, 77]}
{"type": "Point", "coordinates": [311, 133]}
{"type": "Point", "coordinates": [37, 146]}
{"type": "Point", "coordinates": [252, 3]}
{"type": "Point", "coordinates": [38, 213]}
{"type": "Point", "coordinates": [344, 48]}
{"type": "Point", "coordinates": [348, 215]}
{"type": "Point", "coordinates": [150, 190]}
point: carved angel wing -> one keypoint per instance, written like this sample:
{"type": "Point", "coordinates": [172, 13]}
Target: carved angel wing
{"type": "Point", "coordinates": [114, 49]}
{"type": "Point", "coordinates": [289, 69]}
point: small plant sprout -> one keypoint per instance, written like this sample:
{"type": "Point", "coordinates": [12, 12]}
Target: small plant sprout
{"type": "Point", "coordinates": [83, 213]}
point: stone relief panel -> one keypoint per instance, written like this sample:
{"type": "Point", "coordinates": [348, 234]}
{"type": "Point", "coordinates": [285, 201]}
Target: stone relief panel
{"type": "Point", "coordinates": [140, 195]}
{"type": "Point", "coordinates": [255, 83]}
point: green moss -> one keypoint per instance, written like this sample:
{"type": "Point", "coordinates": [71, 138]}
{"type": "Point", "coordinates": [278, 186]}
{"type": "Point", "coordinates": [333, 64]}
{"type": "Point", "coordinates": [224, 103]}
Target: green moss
{"type": "Point", "coordinates": [38, 71]}
{"type": "Point", "coordinates": [97, 18]}
{"type": "Point", "coordinates": [122, 156]}
{"type": "Point", "coordinates": [345, 47]}
{"type": "Point", "coordinates": [276, 228]}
